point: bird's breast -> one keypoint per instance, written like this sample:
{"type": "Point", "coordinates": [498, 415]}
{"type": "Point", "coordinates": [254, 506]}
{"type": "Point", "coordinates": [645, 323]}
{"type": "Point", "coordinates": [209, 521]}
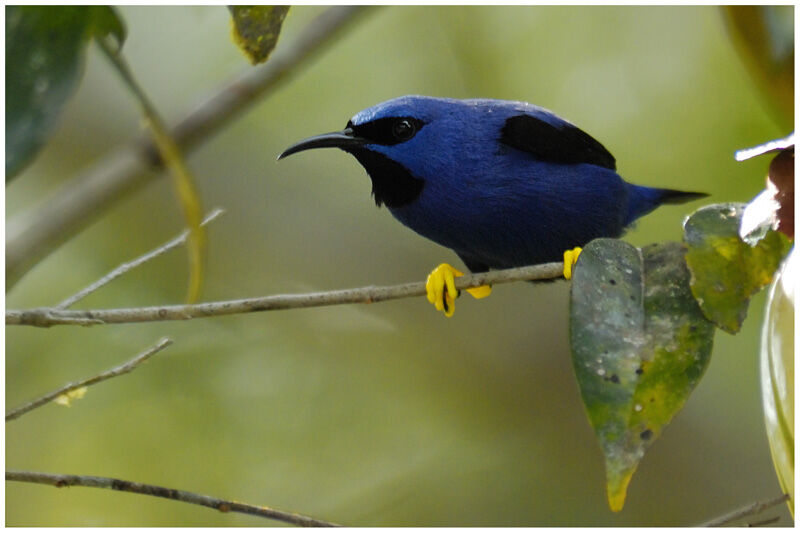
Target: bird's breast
{"type": "Point", "coordinates": [508, 217]}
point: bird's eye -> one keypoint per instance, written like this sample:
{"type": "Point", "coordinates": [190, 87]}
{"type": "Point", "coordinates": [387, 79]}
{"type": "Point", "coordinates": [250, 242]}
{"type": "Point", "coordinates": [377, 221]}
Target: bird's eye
{"type": "Point", "coordinates": [403, 129]}
{"type": "Point", "coordinates": [387, 131]}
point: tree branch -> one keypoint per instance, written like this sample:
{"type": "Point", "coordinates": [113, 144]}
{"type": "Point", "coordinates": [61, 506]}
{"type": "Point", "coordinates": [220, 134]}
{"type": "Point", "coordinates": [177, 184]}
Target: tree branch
{"type": "Point", "coordinates": [37, 231]}
{"type": "Point", "coordinates": [225, 506]}
{"type": "Point", "coordinates": [764, 522]}
{"type": "Point", "coordinates": [50, 316]}
{"type": "Point", "coordinates": [130, 265]}
{"type": "Point", "coordinates": [108, 374]}
{"type": "Point", "coordinates": [748, 510]}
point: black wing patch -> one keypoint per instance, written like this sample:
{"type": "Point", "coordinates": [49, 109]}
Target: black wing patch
{"type": "Point", "coordinates": [566, 144]}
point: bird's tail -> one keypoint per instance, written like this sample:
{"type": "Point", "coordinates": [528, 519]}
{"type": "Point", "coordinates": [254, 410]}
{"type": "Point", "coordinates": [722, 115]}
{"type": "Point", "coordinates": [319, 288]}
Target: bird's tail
{"type": "Point", "coordinates": [642, 200]}
{"type": "Point", "coordinates": [671, 196]}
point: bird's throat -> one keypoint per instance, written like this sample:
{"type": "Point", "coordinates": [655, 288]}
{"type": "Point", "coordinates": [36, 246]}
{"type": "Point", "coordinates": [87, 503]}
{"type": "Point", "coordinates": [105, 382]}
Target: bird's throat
{"type": "Point", "coordinates": [393, 185]}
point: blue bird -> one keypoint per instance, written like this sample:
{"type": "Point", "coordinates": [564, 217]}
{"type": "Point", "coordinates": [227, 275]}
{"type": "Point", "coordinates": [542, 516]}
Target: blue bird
{"type": "Point", "coordinates": [501, 183]}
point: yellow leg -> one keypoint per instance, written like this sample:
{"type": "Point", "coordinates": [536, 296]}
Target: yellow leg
{"type": "Point", "coordinates": [570, 258]}
{"type": "Point", "coordinates": [442, 291]}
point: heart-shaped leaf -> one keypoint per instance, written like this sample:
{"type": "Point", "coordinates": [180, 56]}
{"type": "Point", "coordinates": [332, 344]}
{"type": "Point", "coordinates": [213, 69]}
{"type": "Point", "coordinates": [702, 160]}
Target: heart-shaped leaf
{"type": "Point", "coordinates": [726, 271]}
{"type": "Point", "coordinates": [640, 344]}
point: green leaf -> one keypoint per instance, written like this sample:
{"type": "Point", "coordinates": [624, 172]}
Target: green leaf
{"type": "Point", "coordinates": [256, 29]}
{"type": "Point", "coordinates": [640, 344]}
{"type": "Point", "coordinates": [45, 50]}
{"type": "Point", "coordinates": [107, 22]}
{"type": "Point", "coordinates": [726, 271]}
{"type": "Point", "coordinates": [777, 372]}
{"type": "Point", "coordinates": [45, 53]}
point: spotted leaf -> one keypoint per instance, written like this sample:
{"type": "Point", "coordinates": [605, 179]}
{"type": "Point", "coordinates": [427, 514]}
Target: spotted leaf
{"type": "Point", "coordinates": [256, 29]}
{"type": "Point", "coordinates": [640, 344]}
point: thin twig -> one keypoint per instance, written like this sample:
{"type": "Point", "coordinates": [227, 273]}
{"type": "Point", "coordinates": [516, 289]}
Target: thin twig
{"type": "Point", "coordinates": [49, 316]}
{"type": "Point", "coordinates": [40, 229]}
{"type": "Point", "coordinates": [764, 522]}
{"type": "Point", "coordinates": [108, 374]}
{"type": "Point", "coordinates": [130, 265]}
{"type": "Point", "coordinates": [225, 506]}
{"type": "Point", "coordinates": [748, 510]}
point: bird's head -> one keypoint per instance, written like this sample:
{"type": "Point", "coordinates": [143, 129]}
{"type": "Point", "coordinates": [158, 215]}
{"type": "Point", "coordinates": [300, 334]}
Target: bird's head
{"type": "Point", "coordinates": [404, 142]}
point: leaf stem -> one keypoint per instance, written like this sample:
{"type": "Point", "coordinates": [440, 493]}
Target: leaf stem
{"type": "Point", "coordinates": [183, 180]}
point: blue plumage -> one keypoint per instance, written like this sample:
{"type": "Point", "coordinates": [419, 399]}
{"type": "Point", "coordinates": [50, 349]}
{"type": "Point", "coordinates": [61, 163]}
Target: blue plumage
{"type": "Point", "coordinates": [501, 183]}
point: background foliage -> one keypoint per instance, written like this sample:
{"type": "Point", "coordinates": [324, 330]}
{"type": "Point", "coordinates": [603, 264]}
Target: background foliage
{"type": "Point", "coordinates": [385, 414]}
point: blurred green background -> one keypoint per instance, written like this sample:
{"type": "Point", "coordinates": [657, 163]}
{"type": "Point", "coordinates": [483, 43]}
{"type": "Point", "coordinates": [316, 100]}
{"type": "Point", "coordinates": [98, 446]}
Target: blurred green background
{"type": "Point", "coordinates": [387, 414]}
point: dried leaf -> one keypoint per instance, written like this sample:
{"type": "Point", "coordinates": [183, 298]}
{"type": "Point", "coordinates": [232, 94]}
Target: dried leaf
{"type": "Point", "coordinates": [66, 398]}
{"type": "Point", "coordinates": [774, 207]}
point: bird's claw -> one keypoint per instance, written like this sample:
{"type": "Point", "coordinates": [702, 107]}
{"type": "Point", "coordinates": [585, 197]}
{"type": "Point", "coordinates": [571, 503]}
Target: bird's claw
{"type": "Point", "coordinates": [570, 258]}
{"type": "Point", "coordinates": [441, 288]}
{"type": "Point", "coordinates": [482, 291]}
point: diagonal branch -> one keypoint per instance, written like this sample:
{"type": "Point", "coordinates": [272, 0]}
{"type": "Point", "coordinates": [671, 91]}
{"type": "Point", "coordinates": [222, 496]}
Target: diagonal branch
{"type": "Point", "coordinates": [748, 510]}
{"type": "Point", "coordinates": [37, 231]}
{"type": "Point", "coordinates": [130, 265]}
{"type": "Point", "coordinates": [130, 366]}
{"type": "Point", "coordinates": [225, 506]}
{"type": "Point", "coordinates": [50, 316]}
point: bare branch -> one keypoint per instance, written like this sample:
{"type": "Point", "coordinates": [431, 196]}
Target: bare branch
{"type": "Point", "coordinates": [225, 506]}
{"type": "Point", "coordinates": [748, 510]}
{"type": "Point", "coordinates": [764, 522]}
{"type": "Point", "coordinates": [108, 374]}
{"type": "Point", "coordinates": [37, 231]}
{"type": "Point", "coordinates": [49, 316]}
{"type": "Point", "coordinates": [130, 265]}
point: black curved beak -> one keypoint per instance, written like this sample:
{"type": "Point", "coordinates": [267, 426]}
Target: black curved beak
{"type": "Point", "coordinates": [337, 139]}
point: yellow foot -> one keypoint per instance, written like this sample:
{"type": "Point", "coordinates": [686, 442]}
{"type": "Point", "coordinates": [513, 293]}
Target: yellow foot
{"type": "Point", "coordinates": [570, 258]}
{"type": "Point", "coordinates": [442, 291]}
